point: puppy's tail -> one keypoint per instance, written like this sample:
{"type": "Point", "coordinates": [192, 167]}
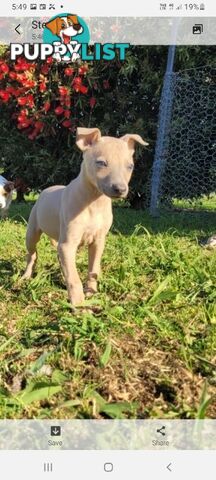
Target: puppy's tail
{"type": "Point", "coordinates": [33, 232]}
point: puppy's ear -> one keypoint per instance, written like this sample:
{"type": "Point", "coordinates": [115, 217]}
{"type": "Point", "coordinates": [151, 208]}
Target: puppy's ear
{"type": "Point", "coordinates": [86, 137]}
{"type": "Point", "coordinates": [8, 187]}
{"type": "Point", "coordinates": [53, 26]}
{"type": "Point", "coordinates": [73, 18]}
{"type": "Point", "coordinates": [131, 138]}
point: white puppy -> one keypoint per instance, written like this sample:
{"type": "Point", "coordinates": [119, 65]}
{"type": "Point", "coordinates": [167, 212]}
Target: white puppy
{"type": "Point", "coordinates": [6, 193]}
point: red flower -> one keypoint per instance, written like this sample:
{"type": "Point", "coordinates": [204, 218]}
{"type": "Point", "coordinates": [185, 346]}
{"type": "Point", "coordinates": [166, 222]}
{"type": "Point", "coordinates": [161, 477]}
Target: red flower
{"type": "Point", "coordinates": [49, 60]}
{"type": "Point", "coordinates": [29, 83]}
{"type": "Point", "coordinates": [77, 81]}
{"type": "Point", "coordinates": [67, 123]}
{"type": "Point", "coordinates": [83, 89]}
{"type": "Point", "coordinates": [22, 100]}
{"type": "Point", "coordinates": [67, 101]}
{"type": "Point", "coordinates": [9, 90]}
{"type": "Point", "coordinates": [13, 75]}
{"type": "Point", "coordinates": [21, 118]}
{"type": "Point", "coordinates": [24, 123]}
{"type": "Point", "coordinates": [45, 69]}
{"type": "Point", "coordinates": [92, 102]}
{"type": "Point", "coordinates": [63, 91]}
{"type": "Point", "coordinates": [83, 69]}
{"type": "Point", "coordinates": [32, 66]}
{"type": "Point", "coordinates": [1, 76]}
{"type": "Point", "coordinates": [16, 92]}
{"type": "Point", "coordinates": [39, 126]}
{"type": "Point", "coordinates": [21, 78]}
{"type": "Point", "coordinates": [24, 112]}
{"type": "Point", "coordinates": [77, 85]}
{"type": "Point", "coordinates": [69, 71]}
{"type": "Point", "coordinates": [42, 87]}
{"type": "Point", "coordinates": [59, 110]}
{"type": "Point", "coordinates": [30, 101]}
{"type": "Point", "coordinates": [5, 96]}
{"type": "Point", "coordinates": [46, 106]}
{"type": "Point", "coordinates": [22, 65]}
{"type": "Point", "coordinates": [67, 113]}
{"type": "Point", "coordinates": [4, 68]}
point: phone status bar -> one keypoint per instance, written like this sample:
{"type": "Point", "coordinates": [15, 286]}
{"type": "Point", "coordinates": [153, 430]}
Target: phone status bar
{"type": "Point", "coordinates": [156, 8]}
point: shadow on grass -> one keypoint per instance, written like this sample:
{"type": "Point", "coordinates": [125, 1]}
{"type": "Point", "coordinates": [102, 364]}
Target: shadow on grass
{"type": "Point", "coordinates": [6, 273]}
{"type": "Point", "coordinates": [6, 268]}
{"type": "Point", "coordinates": [201, 223]}
{"type": "Point", "coordinates": [20, 212]}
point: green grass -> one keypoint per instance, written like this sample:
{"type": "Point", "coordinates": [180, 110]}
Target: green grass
{"type": "Point", "coordinates": [144, 346]}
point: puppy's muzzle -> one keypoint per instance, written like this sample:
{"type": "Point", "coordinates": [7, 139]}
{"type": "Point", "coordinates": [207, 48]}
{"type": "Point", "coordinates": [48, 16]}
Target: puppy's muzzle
{"type": "Point", "coordinates": [119, 189]}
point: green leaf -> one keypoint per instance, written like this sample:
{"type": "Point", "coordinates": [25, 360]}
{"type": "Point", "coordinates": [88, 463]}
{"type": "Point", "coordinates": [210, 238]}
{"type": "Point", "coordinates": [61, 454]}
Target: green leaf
{"type": "Point", "coordinates": [201, 414]}
{"type": "Point", "coordinates": [159, 292]}
{"type": "Point", "coordinates": [35, 366]}
{"type": "Point", "coordinates": [4, 345]}
{"type": "Point", "coordinates": [112, 410]}
{"type": "Point", "coordinates": [40, 391]}
{"type": "Point", "coordinates": [96, 396]}
{"type": "Point", "coordinates": [117, 311]}
{"type": "Point", "coordinates": [205, 401]}
{"type": "Point", "coordinates": [104, 359]}
{"type": "Point", "coordinates": [71, 404]}
{"type": "Point", "coordinates": [117, 410]}
{"type": "Point", "coordinates": [58, 377]}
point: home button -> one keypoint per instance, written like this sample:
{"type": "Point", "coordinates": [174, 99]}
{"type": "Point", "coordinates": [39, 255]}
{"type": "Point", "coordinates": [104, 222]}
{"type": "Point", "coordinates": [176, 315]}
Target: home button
{"type": "Point", "coordinates": [108, 467]}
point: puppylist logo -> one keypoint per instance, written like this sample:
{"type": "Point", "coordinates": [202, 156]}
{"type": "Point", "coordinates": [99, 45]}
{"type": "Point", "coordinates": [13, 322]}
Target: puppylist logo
{"type": "Point", "coordinates": [66, 38]}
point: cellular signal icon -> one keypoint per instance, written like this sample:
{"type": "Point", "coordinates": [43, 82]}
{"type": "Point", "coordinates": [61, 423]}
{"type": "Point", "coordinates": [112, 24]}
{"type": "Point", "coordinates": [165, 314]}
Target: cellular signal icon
{"type": "Point", "coordinates": [179, 7]}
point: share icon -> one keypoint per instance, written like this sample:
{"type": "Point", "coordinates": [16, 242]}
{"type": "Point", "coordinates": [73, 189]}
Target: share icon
{"type": "Point", "coordinates": [162, 430]}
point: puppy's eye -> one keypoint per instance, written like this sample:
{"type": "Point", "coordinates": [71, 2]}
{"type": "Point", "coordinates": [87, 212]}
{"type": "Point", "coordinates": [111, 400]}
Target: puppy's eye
{"type": "Point", "coordinates": [63, 26]}
{"type": "Point", "coordinates": [130, 167]}
{"type": "Point", "coordinates": [101, 163]}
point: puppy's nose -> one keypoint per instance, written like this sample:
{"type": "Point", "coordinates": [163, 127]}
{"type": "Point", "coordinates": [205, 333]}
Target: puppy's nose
{"type": "Point", "coordinates": [119, 188]}
{"type": "Point", "coordinates": [77, 27]}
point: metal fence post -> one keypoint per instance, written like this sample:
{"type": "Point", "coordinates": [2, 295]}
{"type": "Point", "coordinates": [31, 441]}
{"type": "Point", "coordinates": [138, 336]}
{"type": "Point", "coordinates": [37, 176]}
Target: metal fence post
{"type": "Point", "coordinates": [163, 121]}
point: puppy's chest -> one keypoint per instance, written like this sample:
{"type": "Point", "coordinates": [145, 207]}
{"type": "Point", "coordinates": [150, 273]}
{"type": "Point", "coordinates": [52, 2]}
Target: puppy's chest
{"type": "Point", "coordinates": [94, 227]}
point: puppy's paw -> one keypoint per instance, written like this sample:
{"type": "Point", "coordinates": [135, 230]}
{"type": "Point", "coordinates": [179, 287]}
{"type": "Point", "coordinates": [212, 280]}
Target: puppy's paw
{"type": "Point", "coordinates": [91, 285]}
{"type": "Point", "coordinates": [77, 297]}
{"type": "Point", "coordinates": [89, 291]}
{"type": "Point", "coordinates": [25, 276]}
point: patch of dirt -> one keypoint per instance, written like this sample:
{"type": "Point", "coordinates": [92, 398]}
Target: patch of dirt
{"type": "Point", "coordinates": [156, 379]}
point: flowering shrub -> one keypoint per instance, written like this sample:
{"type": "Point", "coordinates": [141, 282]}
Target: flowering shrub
{"type": "Point", "coordinates": [43, 98]}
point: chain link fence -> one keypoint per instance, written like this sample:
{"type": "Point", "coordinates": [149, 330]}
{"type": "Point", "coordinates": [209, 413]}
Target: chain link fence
{"type": "Point", "coordinates": [185, 157]}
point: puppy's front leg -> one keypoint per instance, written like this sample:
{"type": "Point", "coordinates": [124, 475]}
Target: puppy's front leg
{"type": "Point", "coordinates": [95, 253]}
{"type": "Point", "coordinates": [67, 257]}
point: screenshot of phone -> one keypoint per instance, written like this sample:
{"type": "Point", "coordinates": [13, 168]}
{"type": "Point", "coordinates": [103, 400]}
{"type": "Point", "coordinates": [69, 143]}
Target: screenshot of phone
{"type": "Point", "coordinates": [107, 240]}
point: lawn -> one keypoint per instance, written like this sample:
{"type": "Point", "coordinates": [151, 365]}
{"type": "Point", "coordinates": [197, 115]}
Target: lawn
{"type": "Point", "coordinates": [144, 346]}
